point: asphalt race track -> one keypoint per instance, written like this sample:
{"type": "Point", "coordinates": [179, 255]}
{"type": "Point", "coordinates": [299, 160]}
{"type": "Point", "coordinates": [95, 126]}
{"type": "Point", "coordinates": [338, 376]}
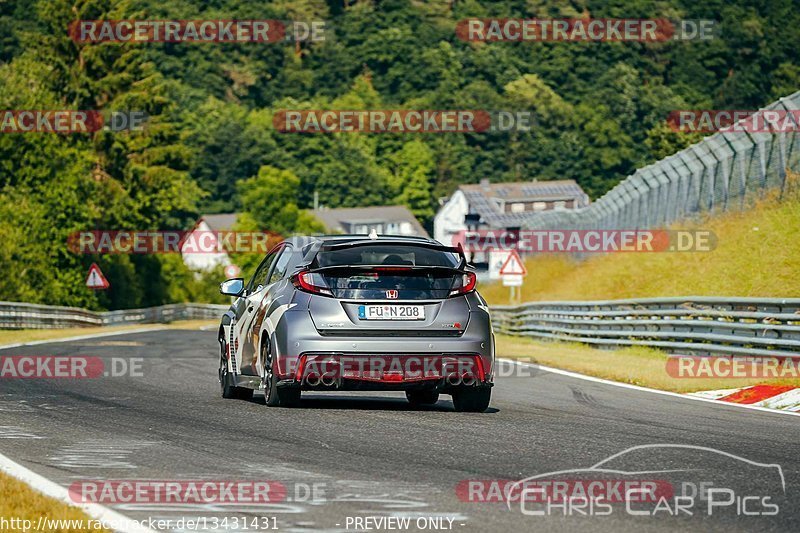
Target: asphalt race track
{"type": "Point", "coordinates": [371, 454]}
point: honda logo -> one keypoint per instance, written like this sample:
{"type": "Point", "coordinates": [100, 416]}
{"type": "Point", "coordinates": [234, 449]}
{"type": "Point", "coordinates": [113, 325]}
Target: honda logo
{"type": "Point", "coordinates": [391, 294]}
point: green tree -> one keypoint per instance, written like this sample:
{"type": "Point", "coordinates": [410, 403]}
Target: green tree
{"type": "Point", "coordinates": [269, 199]}
{"type": "Point", "coordinates": [413, 169]}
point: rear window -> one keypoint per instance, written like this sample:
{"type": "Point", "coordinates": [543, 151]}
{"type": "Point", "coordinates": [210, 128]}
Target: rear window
{"type": "Point", "coordinates": [410, 284]}
{"type": "Point", "coordinates": [388, 255]}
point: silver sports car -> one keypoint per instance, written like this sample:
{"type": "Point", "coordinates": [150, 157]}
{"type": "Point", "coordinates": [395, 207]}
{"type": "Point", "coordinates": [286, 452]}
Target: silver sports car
{"type": "Point", "coordinates": [352, 312]}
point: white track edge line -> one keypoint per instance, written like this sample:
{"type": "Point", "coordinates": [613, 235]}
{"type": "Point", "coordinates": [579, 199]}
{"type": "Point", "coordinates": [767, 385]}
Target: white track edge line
{"type": "Point", "coordinates": [647, 389]}
{"type": "Point", "coordinates": [52, 489]}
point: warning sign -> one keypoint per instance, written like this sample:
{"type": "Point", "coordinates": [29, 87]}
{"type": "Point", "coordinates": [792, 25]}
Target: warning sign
{"type": "Point", "coordinates": [513, 265]}
{"type": "Point", "coordinates": [96, 279]}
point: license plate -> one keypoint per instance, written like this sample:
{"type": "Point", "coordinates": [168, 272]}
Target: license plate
{"type": "Point", "coordinates": [391, 312]}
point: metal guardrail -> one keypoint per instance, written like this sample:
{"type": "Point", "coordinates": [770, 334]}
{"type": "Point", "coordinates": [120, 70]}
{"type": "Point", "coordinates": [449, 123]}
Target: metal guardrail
{"type": "Point", "coordinates": [724, 171]}
{"type": "Point", "coordinates": [17, 315]}
{"type": "Point", "coordinates": [693, 326]}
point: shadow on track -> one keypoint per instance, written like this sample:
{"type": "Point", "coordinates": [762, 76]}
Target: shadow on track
{"type": "Point", "coordinates": [330, 401]}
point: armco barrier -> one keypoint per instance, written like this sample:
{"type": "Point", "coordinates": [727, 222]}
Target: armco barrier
{"type": "Point", "coordinates": [16, 315]}
{"type": "Point", "coordinates": [693, 325]}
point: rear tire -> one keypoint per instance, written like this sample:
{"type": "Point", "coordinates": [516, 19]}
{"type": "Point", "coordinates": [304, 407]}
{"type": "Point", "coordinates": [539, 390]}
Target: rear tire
{"type": "Point", "coordinates": [276, 396]}
{"type": "Point", "coordinates": [283, 397]}
{"type": "Point", "coordinates": [229, 391]}
{"type": "Point", "coordinates": [422, 397]}
{"type": "Point", "coordinates": [472, 400]}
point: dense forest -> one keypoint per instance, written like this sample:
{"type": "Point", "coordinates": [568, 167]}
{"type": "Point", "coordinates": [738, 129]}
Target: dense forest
{"type": "Point", "coordinates": [210, 145]}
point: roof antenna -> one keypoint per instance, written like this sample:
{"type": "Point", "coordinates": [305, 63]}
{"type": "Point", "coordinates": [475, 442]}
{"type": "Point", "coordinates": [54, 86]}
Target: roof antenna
{"type": "Point", "coordinates": [373, 234]}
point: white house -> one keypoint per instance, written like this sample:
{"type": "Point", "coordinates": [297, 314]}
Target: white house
{"type": "Point", "coordinates": [207, 227]}
{"type": "Point", "coordinates": [384, 219]}
{"type": "Point", "coordinates": [501, 206]}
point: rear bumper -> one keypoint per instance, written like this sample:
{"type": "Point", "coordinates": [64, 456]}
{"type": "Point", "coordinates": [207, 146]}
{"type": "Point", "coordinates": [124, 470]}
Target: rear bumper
{"type": "Point", "coordinates": [297, 339]}
{"type": "Point", "coordinates": [354, 385]}
{"type": "Point", "coordinates": [358, 371]}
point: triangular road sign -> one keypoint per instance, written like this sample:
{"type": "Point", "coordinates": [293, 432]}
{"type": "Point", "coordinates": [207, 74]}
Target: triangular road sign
{"type": "Point", "coordinates": [513, 266]}
{"type": "Point", "coordinates": [96, 279]}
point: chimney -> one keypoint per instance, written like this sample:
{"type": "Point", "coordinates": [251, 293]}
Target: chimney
{"type": "Point", "coordinates": [485, 183]}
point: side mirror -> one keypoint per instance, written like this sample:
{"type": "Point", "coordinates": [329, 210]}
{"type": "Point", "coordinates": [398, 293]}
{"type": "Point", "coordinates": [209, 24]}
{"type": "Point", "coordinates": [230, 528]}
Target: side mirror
{"type": "Point", "coordinates": [232, 287]}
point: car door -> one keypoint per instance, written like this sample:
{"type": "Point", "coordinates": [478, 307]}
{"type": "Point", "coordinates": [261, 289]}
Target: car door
{"type": "Point", "coordinates": [274, 297]}
{"type": "Point", "coordinates": [247, 305]}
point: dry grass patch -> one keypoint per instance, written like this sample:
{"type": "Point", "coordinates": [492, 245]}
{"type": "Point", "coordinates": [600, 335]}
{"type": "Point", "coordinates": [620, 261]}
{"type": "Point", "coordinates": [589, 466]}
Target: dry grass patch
{"type": "Point", "coordinates": [18, 500]}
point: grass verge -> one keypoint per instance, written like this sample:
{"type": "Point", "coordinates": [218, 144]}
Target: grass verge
{"type": "Point", "coordinates": [12, 336]}
{"type": "Point", "coordinates": [756, 255]}
{"type": "Point", "coordinates": [635, 365]}
{"type": "Point", "coordinates": [18, 500]}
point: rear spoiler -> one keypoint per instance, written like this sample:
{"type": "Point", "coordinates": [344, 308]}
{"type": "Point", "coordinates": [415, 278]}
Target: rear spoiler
{"type": "Point", "coordinates": [322, 246]}
{"type": "Point", "coordinates": [388, 268]}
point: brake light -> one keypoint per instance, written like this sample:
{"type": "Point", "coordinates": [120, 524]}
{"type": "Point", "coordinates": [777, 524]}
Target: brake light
{"type": "Point", "coordinates": [481, 371]}
{"type": "Point", "coordinates": [301, 367]}
{"type": "Point", "coordinates": [464, 284]}
{"type": "Point", "coordinates": [311, 282]}
{"type": "Point", "coordinates": [391, 269]}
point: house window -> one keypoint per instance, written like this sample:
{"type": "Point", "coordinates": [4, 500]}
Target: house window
{"type": "Point", "coordinates": [517, 208]}
{"type": "Point", "coordinates": [367, 228]}
{"type": "Point", "coordinates": [539, 206]}
{"type": "Point", "coordinates": [560, 205]}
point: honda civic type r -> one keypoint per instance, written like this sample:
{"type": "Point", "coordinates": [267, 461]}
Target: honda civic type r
{"type": "Point", "coordinates": [349, 312]}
